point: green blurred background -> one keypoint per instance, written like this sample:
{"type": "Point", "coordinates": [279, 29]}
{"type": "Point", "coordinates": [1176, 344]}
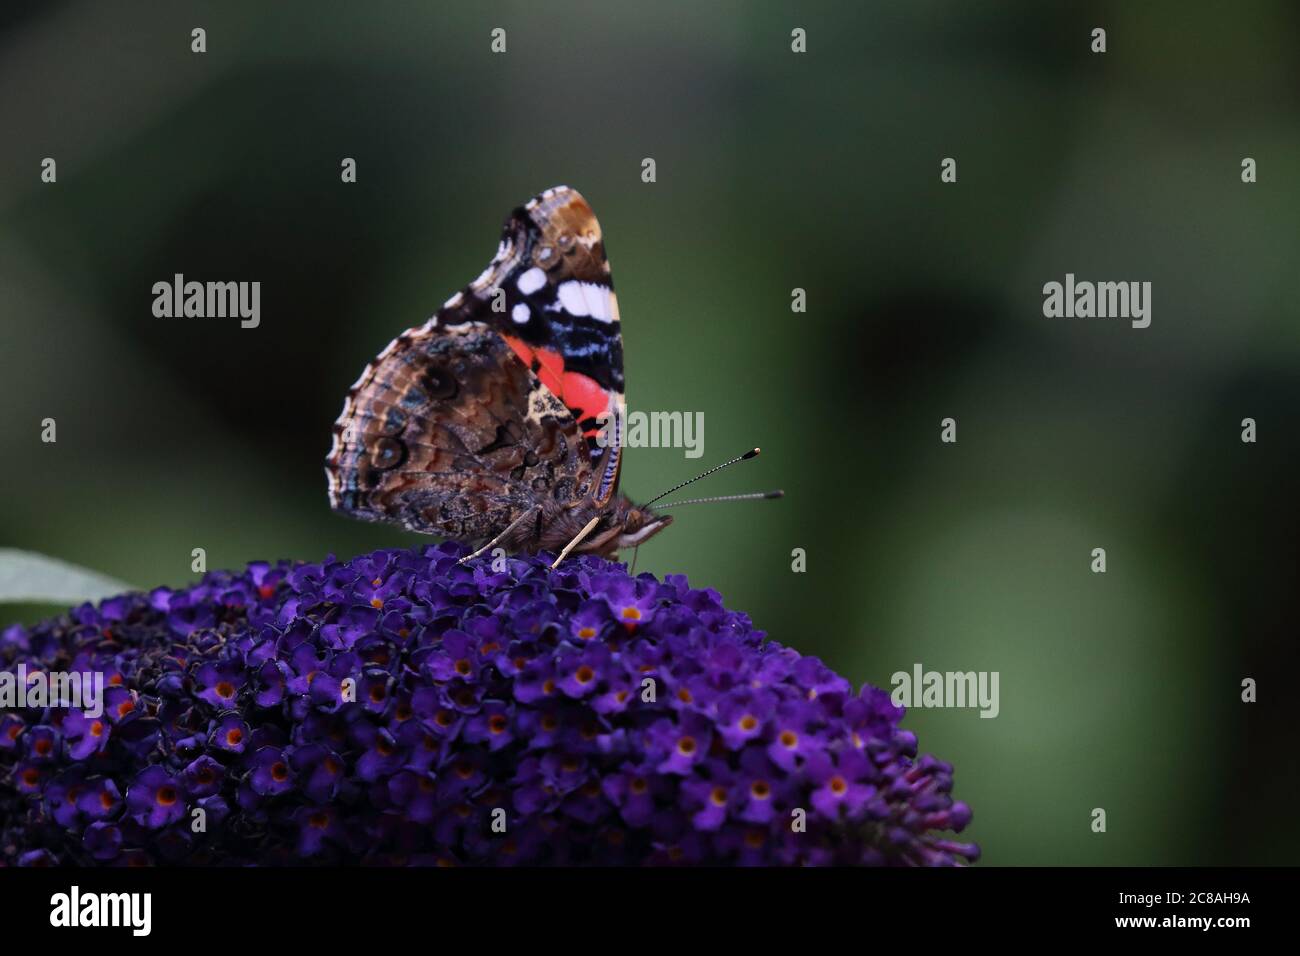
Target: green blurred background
{"type": "Point", "coordinates": [775, 171]}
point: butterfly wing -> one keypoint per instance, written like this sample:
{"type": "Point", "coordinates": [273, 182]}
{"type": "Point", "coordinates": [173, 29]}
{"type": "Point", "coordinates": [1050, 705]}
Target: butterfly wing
{"type": "Point", "coordinates": [448, 432]}
{"type": "Point", "coordinates": [550, 295]}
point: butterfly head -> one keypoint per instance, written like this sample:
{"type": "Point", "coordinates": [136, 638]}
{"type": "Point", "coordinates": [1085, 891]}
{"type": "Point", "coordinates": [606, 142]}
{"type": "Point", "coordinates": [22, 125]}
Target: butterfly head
{"type": "Point", "coordinates": [619, 524]}
{"type": "Point", "coordinates": [637, 524]}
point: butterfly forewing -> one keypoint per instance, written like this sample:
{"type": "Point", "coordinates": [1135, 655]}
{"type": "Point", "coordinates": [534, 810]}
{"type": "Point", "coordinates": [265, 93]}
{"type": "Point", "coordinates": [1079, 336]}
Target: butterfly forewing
{"type": "Point", "coordinates": [549, 292]}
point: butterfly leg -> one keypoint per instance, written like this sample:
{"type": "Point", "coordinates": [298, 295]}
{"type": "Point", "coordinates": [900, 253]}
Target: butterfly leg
{"type": "Point", "coordinates": [511, 527]}
{"type": "Point", "coordinates": [576, 541]}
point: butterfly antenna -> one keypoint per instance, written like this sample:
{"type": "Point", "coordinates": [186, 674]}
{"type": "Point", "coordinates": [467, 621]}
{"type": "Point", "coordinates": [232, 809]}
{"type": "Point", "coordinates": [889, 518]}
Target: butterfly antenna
{"type": "Point", "coordinates": [745, 457]}
{"type": "Point", "coordinates": [752, 496]}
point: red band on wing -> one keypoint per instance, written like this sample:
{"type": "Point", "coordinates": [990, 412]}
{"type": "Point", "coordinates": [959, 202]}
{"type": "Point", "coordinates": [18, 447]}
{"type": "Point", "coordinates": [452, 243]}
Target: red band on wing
{"type": "Point", "coordinates": [522, 349]}
{"type": "Point", "coordinates": [580, 393]}
{"type": "Point", "coordinates": [585, 396]}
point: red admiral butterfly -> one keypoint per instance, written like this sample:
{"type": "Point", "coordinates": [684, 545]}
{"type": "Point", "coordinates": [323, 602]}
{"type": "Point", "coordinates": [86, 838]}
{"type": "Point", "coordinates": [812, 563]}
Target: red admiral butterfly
{"type": "Point", "coordinates": [484, 423]}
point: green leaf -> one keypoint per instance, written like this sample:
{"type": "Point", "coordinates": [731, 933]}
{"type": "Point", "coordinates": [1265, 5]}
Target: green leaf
{"type": "Point", "coordinates": [33, 578]}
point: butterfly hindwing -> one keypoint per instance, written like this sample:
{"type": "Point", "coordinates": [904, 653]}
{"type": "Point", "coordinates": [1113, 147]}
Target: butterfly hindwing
{"type": "Point", "coordinates": [448, 432]}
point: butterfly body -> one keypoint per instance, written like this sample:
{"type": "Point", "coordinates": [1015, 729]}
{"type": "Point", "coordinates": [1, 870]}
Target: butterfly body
{"type": "Point", "coordinates": [482, 425]}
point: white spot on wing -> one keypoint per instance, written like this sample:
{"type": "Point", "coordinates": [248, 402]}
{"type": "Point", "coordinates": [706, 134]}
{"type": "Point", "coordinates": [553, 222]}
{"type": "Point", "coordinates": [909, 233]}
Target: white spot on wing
{"type": "Point", "coordinates": [531, 281]}
{"type": "Point", "coordinates": [520, 313]}
{"type": "Point", "coordinates": [573, 299]}
{"type": "Point", "coordinates": [598, 299]}
{"type": "Point", "coordinates": [588, 298]}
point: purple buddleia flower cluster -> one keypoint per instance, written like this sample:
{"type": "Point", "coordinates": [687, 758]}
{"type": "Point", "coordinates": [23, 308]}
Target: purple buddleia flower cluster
{"type": "Point", "coordinates": [402, 708]}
